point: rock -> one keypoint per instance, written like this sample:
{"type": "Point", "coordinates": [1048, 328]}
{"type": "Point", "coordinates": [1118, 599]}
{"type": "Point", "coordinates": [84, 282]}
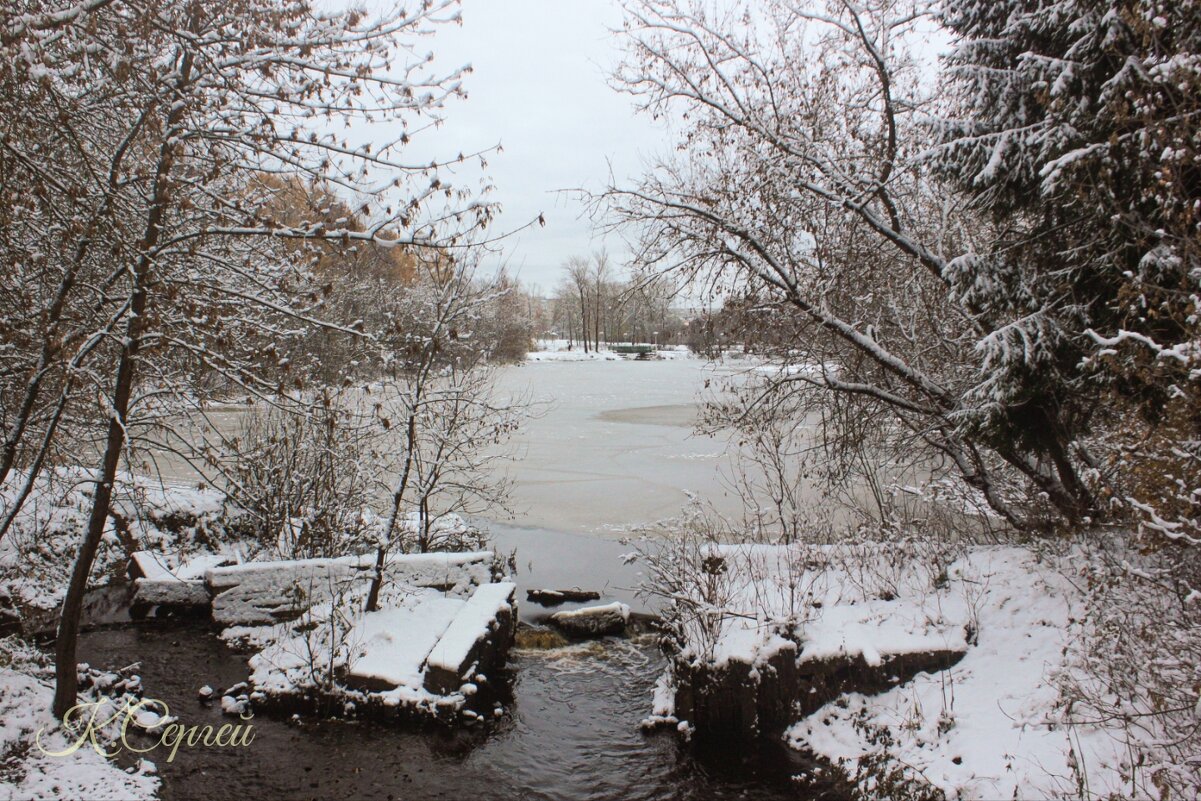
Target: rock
{"type": "Point", "coordinates": [556, 597]}
{"type": "Point", "coordinates": [171, 594]}
{"type": "Point", "coordinates": [478, 639]}
{"type": "Point", "coordinates": [260, 593]}
{"type": "Point", "coordinates": [593, 621]}
{"type": "Point", "coordinates": [234, 706]}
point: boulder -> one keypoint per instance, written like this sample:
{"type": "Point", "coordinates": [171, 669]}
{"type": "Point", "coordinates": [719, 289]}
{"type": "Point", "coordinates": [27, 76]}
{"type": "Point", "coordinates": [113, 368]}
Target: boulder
{"type": "Point", "coordinates": [593, 621]}
{"type": "Point", "coordinates": [171, 595]}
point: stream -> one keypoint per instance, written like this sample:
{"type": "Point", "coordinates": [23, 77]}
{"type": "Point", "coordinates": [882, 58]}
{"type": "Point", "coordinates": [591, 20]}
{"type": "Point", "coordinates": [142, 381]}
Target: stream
{"type": "Point", "coordinates": [570, 732]}
{"type": "Point", "coordinates": [615, 449]}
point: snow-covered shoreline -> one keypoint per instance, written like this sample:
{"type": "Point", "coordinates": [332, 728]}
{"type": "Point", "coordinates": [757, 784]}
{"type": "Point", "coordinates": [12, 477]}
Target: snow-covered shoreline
{"type": "Point", "coordinates": [40, 761]}
{"type": "Point", "coordinates": [994, 725]}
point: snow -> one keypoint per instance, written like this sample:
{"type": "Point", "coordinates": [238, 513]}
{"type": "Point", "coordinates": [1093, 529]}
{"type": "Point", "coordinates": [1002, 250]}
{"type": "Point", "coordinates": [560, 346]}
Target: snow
{"type": "Point", "coordinates": [392, 644]}
{"type": "Point", "coordinates": [987, 727]}
{"type": "Point", "coordinates": [31, 774]}
{"type": "Point", "coordinates": [152, 566]}
{"type": "Point", "coordinates": [663, 704]}
{"type": "Point", "coordinates": [995, 725]}
{"type": "Point", "coordinates": [479, 615]}
{"type": "Point", "coordinates": [256, 593]}
{"type": "Point", "coordinates": [571, 356]}
{"type": "Point", "coordinates": [835, 602]}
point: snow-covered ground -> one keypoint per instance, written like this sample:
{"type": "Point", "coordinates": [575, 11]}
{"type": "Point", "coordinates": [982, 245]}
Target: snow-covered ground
{"type": "Point", "coordinates": [38, 760]}
{"type": "Point", "coordinates": [175, 520]}
{"type": "Point", "coordinates": [992, 726]}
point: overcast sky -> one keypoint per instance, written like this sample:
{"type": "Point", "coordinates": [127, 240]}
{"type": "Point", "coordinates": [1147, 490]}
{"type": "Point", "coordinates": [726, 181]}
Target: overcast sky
{"type": "Point", "coordinates": [539, 88]}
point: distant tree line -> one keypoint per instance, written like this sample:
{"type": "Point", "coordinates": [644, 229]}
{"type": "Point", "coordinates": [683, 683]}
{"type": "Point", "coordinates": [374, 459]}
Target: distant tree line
{"type": "Point", "coordinates": [594, 303]}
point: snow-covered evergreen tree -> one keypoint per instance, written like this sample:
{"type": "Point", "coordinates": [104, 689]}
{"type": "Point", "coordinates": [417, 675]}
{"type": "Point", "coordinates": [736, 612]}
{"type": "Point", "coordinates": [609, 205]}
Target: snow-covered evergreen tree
{"type": "Point", "coordinates": [1074, 126]}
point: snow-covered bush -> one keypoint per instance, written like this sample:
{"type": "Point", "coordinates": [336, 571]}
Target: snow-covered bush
{"type": "Point", "coordinates": [690, 581]}
{"type": "Point", "coordinates": [1135, 666]}
{"type": "Point", "coordinates": [304, 478]}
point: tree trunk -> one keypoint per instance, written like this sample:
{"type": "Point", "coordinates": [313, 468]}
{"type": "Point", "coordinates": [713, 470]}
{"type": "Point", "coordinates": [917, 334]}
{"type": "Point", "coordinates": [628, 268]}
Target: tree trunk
{"type": "Point", "coordinates": [66, 686]}
{"type": "Point", "coordinates": [584, 320]}
{"type": "Point", "coordinates": [66, 678]}
{"type": "Point", "coordinates": [381, 553]}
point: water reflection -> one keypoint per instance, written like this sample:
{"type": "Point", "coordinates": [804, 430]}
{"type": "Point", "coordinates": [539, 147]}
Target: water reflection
{"type": "Point", "coordinates": [570, 732]}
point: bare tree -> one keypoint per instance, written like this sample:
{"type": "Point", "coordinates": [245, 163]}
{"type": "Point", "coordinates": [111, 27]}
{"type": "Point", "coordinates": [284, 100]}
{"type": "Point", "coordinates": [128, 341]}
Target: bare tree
{"type": "Point", "coordinates": [174, 127]}
{"type": "Point", "coordinates": [442, 400]}
{"type": "Point", "coordinates": [803, 189]}
{"type": "Point", "coordinates": [600, 316]}
{"type": "Point", "coordinates": [577, 275]}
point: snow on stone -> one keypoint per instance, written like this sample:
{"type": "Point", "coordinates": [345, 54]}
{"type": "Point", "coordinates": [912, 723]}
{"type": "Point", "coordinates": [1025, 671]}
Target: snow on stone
{"type": "Point", "coordinates": [592, 621]}
{"type": "Point", "coordinates": [171, 591]}
{"type": "Point", "coordinates": [198, 566]}
{"type": "Point", "coordinates": [663, 704]}
{"type": "Point", "coordinates": [389, 654]}
{"type": "Point", "coordinates": [379, 653]}
{"type": "Point", "coordinates": [256, 593]}
{"type": "Point", "coordinates": [151, 565]}
{"type": "Point", "coordinates": [478, 616]}
{"type": "Point", "coordinates": [987, 727]}
{"type": "Point", "coordinates": [162, 584]}
{"type": "Point", "coordinates": [392, 644]}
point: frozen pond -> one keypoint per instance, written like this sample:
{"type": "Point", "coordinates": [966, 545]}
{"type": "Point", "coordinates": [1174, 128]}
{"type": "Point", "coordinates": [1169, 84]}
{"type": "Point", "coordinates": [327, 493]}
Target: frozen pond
{"type": "Point", "coordinates": [609, 445]}
{"type": "Point", "coordinates": [614, 447]}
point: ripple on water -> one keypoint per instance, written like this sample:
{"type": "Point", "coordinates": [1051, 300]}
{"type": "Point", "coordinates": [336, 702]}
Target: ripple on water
{"type": "Point", "coordinates": [571, 732]}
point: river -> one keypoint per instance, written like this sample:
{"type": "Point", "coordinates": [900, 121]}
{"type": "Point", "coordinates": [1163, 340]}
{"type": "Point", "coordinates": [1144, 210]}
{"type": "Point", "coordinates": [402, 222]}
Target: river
{"type": "Point", "coordinates": [611, 449]}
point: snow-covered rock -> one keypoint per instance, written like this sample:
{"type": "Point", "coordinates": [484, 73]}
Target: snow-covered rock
{"type": "Point", "coordinates": [391, 645]}
{"type": "Point", "coordinates": [593, 621]}
{"type": "Point", "coordinates": [476, 641]}
{"type": "Point", "coordinates": [423, 652]}
{"type": "Point", "coordinates": [172, 592]}
{"type": "Point", "coordinates": [258, 593]}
